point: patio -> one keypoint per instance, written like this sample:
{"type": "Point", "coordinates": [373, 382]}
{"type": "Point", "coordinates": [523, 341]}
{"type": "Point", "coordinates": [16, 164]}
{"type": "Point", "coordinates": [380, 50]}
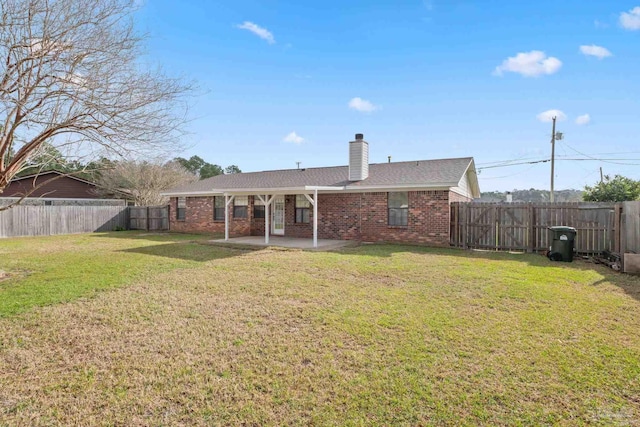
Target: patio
{"type": "Point", "coordinates": [286, 242]}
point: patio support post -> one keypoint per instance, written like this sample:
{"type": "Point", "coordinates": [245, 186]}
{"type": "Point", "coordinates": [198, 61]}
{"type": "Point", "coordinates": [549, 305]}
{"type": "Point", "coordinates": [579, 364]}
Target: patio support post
{"type": "Point", "coordinates": [227, 202]}
{"type": "Point", "coordinates": [315, 218]}
{"type": "Point", "coordinates": [267, 202]}
{"type": "Point", "coordinates": [314, 202]}
{"type": "Point", "coordinates": [226, 217]}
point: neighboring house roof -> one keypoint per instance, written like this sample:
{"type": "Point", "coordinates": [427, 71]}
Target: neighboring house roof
{"type": "Point", "coordinates": [442, 173]}
{"type": "Point", "coordinates": [54, 185]}
{"type": "Point", "coordinates": [51, 173]}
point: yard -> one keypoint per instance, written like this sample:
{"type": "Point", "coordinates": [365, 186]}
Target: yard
{"type": "Point", "coordinates": [134, 329]}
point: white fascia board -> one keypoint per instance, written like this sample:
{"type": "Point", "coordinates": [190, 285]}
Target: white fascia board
{"type": "Point", "coordinates": [308, 189]}
{"type": "Point", "coordinates": [324, 188]}
{"type": "Point", "coordinates": [408, 187]}
{"type": "Point", "coordinates": [191, 193]}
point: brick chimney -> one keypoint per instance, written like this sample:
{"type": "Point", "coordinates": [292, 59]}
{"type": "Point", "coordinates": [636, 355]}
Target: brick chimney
{"type": "Point", "coordinates": [358, 159]}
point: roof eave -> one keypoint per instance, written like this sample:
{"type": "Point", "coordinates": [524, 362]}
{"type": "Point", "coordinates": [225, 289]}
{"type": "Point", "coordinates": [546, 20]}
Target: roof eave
{"type": "Point", "coordinates": [311, 188]}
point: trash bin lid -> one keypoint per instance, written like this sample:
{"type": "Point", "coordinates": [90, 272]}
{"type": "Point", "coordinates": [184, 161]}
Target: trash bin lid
{"type": "Point", "coordinates": [562, 228]}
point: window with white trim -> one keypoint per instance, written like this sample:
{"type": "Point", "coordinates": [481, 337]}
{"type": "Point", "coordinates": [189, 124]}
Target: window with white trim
{"type": "Point", "coordinates": [240, 205]}
{"type": "Point", "coordinates": [181, 208]}
{"type": "Point", "coordinates": [302, 209]}
{"type": "Point", "coordinates": [218, 208]}
{"type": "Point", "coordinates": [398, 205]}
{"type": "Point", "coordinates": [258, 207]}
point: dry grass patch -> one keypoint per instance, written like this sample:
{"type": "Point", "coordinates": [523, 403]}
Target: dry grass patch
{"type": "Point", "coordinates": [382, 335]}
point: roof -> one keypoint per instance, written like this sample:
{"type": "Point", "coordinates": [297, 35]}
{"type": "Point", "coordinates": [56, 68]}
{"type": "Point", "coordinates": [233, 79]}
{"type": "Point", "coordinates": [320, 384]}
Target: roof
{"type": "Point", "coordinates": [52, 172]}
{"type": "Point", "coordinates": [51, 179]}
{"type": "Point", "coordinates": [421, 173]}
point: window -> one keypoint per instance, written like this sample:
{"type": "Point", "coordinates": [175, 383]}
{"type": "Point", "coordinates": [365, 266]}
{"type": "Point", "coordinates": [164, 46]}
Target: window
{"type": "Point", "coordinates": [302, 209]}
{"type": "Point", "coordinates": [181, 212]}
{"type": "Point", "coordinates": [398, 204]}
{"type": "Point", "coordinates": [258, 207]}
{"type": "Point", "coordinates": [218, 208]}
{"type": "Point", "coordinates": [240, 204]}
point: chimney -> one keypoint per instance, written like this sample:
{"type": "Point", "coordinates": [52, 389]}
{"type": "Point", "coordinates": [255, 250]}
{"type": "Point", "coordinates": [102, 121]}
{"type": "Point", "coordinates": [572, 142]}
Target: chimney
{"type": "Point", "coordinates": [358, 159]}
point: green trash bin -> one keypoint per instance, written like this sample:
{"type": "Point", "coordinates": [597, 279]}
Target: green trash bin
{"type": "Point", "coordinates": [562, 241]}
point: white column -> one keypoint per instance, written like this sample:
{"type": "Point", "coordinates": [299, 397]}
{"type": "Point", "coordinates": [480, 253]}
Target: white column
{"type": "Point", "coordinates": [266, 223]}
{"type": "Point", "coordinates": [267, 203]}
{"type": "Point", "coordinates": [226, 217]}
{"type": "Point", "coordinates": [227, 202]}
{"type": "Point", "coordinates": [315, 218]}
{"type": "Point", "coordinates": [314, 202]}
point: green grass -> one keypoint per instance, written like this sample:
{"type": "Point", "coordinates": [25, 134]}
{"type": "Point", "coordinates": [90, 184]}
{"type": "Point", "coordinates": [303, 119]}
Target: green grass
{"type": "Point", "coordinates": [192, 334]}
{"type": "Point", "coordinates": [58, 269]}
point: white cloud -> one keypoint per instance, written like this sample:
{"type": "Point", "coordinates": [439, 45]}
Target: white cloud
{"type": "Point", "coordinates": [362, 105]}
{"type": "Point", "coordinates": [546, 116]}
{"type": "Point", "coordinates": [597, 51]}
{"type": "Point", "coordinates": [599, 24]}
{"type": "Point", "coordinates": [294, 137]}
{"type": "Point", "coordinates": [529, 64]}
{"type": "Point", "coordinates": [584, 119]}
{"type": "Point", "coordinates": [631, 20]}
{"type": "Point", "coordinates": [263, 33]}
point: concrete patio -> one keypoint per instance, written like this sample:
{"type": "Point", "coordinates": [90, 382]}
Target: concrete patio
{"type": "Point", "coordinates": [286, 242]}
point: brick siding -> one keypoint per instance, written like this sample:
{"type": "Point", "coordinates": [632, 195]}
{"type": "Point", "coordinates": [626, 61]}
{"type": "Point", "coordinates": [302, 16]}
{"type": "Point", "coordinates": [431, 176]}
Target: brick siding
{"type": "Point", "coordinates": [199, 218]}
{"type": "Point", "coordinates": [350, 216]}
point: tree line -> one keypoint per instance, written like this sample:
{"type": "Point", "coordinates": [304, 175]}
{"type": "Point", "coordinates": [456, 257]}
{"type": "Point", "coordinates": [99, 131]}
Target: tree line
{"type": "Point", "coordinates": [139, 180]}
{"type": "Point", "coordinates": [610, 189]}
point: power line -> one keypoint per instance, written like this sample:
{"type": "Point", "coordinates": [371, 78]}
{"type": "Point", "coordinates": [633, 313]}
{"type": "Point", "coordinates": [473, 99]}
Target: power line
{"type": "Point", "coordinates": [510, 175]}
{"type": "Point", "coordinates": [591, 159]}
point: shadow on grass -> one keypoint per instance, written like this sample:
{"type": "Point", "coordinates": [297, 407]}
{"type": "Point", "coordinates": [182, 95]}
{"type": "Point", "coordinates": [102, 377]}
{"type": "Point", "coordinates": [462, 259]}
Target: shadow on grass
{"type": "Point", "coordinates": [189, 251]}
{"type": "Point", "coordinates": [158, 236]}
{"type": "Point", "coordinates": [630, 284]}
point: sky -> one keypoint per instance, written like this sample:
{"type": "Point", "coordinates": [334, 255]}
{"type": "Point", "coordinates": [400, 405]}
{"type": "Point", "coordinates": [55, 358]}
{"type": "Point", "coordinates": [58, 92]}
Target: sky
{"type": "Point", "coordinates": [280, 82]}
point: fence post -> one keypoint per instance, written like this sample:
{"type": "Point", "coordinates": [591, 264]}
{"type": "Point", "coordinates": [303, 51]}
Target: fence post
{"type": "Point", "coordinates": [617, 226]}
{"type": "Point", "coordinates": [467, 221]}
{"type": "Point", "coordinates": [532, 228]}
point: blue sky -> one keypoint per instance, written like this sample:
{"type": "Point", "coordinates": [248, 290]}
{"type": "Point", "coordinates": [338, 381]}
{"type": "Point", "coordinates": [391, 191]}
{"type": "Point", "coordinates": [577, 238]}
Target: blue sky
{"type": "Point", "coordinates": [282, 82]}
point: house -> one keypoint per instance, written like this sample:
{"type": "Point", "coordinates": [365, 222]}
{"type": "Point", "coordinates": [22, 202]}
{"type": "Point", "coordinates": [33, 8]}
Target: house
{"type": "Point", "coordinates": [56, 188]}
{"type": "Point", "coordinates": [395, 202]}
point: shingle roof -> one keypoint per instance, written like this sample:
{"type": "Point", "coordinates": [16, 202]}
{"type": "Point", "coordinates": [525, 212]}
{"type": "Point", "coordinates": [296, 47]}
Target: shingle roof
{"type": "Point", "coordinates": [442, 172]}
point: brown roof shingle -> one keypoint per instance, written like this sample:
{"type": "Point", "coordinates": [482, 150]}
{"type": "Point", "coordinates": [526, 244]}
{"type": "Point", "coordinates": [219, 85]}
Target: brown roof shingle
{"type": "Point", "coordinates": [441, 172]}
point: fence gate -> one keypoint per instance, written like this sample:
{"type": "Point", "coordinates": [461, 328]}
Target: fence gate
{"type": "Point", "coordinates": [524, 226]}
{"type": "Point", "coordinates": [149, 218]}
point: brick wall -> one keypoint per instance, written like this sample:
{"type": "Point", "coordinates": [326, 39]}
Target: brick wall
{"type": "Point", "coordinates": [351, 216]}
{"type": "Point", "coordinates": [199, 218]}
{"type": "Point", "coordinates": [428, 218]}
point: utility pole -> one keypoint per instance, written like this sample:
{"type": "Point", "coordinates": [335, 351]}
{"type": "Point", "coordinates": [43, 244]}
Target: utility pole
{"type": "Point", "coordinates": [553, 154]}
{"type": "Point", "coordinates": [601, 176]}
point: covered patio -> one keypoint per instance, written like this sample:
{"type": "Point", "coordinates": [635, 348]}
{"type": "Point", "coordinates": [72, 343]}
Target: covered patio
{"type": "Point", "coordinates": [267, 196]}
{"type": "Point", "coordinates": [287, 242]}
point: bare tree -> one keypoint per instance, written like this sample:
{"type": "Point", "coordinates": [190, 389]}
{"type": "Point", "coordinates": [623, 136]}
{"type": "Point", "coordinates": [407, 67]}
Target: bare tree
{"type": "Point", "coordinates": [71, 77]}
{"type": "Point", "coordinates": [144, 180]}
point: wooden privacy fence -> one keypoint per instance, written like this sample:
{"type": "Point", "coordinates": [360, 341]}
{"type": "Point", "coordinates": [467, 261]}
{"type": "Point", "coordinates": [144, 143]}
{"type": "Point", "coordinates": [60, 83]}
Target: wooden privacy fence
{"type": "Point", "coordinates": [524, 227]}
{"type": "Point", "coordinates": [630, 226]}
{"type": "Point", "coordinates": [48, 220]}
{"type": "Point", "coordinates": [150, 218]}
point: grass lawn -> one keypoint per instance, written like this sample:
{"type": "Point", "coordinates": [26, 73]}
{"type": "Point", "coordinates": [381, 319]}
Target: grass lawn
{"type": "Point", "coordinates": [134, 329]}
